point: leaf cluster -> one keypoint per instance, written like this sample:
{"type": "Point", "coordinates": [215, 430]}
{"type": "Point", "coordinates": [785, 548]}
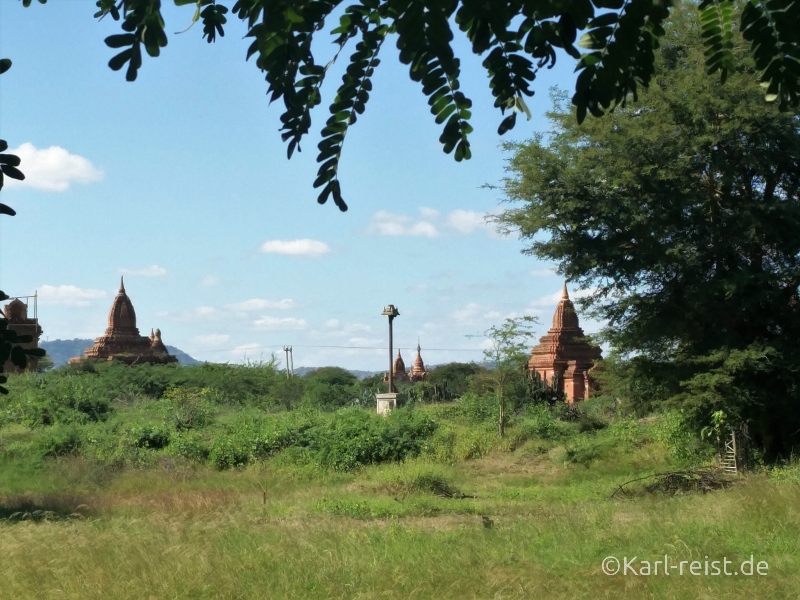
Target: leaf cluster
{"type": "Point", "coordinates": [10, 341]}
{"type": "Point", "coordinates": [516, 38]}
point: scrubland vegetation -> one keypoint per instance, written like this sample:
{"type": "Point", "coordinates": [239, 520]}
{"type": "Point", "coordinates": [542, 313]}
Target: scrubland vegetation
{"type": "Point", "coordinates": [234, 482]}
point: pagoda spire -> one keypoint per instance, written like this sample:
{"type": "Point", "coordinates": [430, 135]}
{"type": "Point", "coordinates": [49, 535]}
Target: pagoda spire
{"type": "Point", "coordinates": [564, 292]}
{"type": "Point", "coordinates": [122, 284]}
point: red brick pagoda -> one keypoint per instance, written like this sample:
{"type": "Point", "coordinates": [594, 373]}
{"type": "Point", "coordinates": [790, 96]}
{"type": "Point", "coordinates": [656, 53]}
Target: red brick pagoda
{"type": "Point", "coordinates": [564, 352]}
{"type": "Point", "coordinates": [122, 341]}
{"type": "Point", "coordinates": [16, 312]}
{"type": "Point", "coordinates": [398, 371]}
{"type": "Point", "coordinates": [418, 371]}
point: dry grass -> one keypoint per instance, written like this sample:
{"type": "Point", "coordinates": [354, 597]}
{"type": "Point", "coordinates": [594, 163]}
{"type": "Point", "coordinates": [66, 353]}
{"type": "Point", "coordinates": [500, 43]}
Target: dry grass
{"type": "Point", "coordinates": [202, 534]}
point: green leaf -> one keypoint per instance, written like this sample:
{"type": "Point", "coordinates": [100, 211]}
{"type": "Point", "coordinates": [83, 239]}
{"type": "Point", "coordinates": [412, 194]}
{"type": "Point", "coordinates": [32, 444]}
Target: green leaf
{"type": "Point", "coordinates": [12, 172]}
{"type": "Point", "coordinates": [120, 40]}
{"type": "Point", "coordinates": [10, 159]}
{"type": "Point", "coordinates": [118, 61]}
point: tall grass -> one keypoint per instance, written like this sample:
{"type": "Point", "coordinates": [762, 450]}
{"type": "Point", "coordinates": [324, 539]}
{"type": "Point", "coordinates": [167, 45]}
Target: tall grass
{"type": "Point", "coordinates": [405, 530]}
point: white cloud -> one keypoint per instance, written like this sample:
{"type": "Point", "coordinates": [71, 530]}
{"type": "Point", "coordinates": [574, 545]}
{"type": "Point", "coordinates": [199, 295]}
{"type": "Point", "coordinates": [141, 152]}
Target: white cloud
{"type": "Point", "coordinates": [474, 314]}
{"type": "Point", "coordinates": [429, 214]}
{"type": "Point", "coordinates": [151, 271]}
{"type": "Point", "coordinates": [68, 295]}
{"type": "Point", "coordinates": [304, 247]}
{"type": "Point", "coordinates": [466, 221]}
{"type": "Point", "coordinates": [459, 221]}
{"type": "Point", "coordinates": [52, 169]}
{"type": "Point", "coordinates": [193, 315]}
{"type": "Point", "coordinates": [386, 223]}
{"type": "Point", "coordinates": [247, 352]}
{"type": "Point", "coordinates": [209, 281]}
{"type": "Point", "coordinates": [280, 323]}
{"type": "Point", "coordinates": [543, 272]}
{"type": "Point", "coordinates": [333, 323]}
{"type": "Point", "coordinates": [261, 304]}
{"type": "Point", "coordinates": [211, 341]}
{"type": "Point", "coordinates": [365, 342]}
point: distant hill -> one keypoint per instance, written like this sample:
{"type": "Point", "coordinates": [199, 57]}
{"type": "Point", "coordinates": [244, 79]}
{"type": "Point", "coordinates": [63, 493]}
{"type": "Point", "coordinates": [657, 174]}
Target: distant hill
{"type": "Point", "coordinates": [303, 371]}
{"type": "Point", "coordinates": [60, 351]}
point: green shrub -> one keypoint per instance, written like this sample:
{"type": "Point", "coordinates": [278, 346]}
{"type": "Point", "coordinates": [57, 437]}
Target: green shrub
{"type": "Point", "coordinates": [149, 436]}
{"type": "Point", "coordinates": [678, 436]}
{"type": "Point", "coordinates": [60, 440]}
{"type": "Point", "coordinates": [227, 452]}
{"type": "Point", "coordinates": [479, 407]}
{"type": "Point", "coordinates": [189, 408]}
{"type": "Point", "coordinates": [190, 445]}
{"type": "Point", "coordinates": [354, 438]}
{"type": "Point", "coordinates": [540, 421]}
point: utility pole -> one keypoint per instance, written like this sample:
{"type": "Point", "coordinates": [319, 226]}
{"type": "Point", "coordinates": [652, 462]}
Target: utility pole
{"type": "Point", "coordinates": [287, 350]}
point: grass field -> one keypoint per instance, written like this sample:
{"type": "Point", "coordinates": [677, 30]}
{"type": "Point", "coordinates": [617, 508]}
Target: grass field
{"type": "Point", "coordinates": [526, 518]}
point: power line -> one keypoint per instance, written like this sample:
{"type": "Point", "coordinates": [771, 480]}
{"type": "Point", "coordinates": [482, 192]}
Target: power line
{"type": "Point", "coordinates": [338, 347]}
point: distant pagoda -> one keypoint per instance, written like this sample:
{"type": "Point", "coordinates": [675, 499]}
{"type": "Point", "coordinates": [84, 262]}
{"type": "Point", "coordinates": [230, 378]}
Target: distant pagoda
{"type": "Point", "coordinates": [16, 312]}
{"type": "Point", "coordinates": [418, 372]}
{"type": "Point", "coordinates": [122, 341]}
{"type": "Point", "coordinates": [565, 353]}
{"type": "Point", "coordinates": [398, 370]}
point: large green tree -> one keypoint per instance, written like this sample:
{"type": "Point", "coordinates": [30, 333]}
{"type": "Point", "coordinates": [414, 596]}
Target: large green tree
{"type": "Point", "coordinates": [516, 38]}
{"type": "Point", "coordinates": [683, 213]}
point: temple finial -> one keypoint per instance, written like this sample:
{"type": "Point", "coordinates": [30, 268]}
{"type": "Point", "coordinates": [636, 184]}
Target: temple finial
{"type": "Point", "coordinates": [564, 293]}
{"type": "Point", "coordinates": [121, 283]}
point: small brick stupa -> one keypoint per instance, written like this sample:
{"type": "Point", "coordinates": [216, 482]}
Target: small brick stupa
{"type": "Point", "coordinates": [122, 341]}
{"type": "Point", "coordinates": [398, 370]}
{"type": "Point", "coordinates": [564, 352]}
{"type": "Point", "coordinates": [16, 312]}
{"type": "Point", "coordinates": [418, 371]}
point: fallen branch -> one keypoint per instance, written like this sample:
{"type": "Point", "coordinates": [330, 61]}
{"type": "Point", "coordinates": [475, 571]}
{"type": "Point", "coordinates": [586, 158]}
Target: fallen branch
{"type": "Point", "coordinates": [693, 480]}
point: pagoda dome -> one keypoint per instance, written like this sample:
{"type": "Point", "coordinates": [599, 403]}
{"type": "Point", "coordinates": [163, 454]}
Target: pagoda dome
{"type": "Point", "coordinates": [16, 310]}
{"type": "Point", "coordinates": [418, 364]}
{"type": "Point", "coordinates": [565, 316]}
{"type": "Point", "coordinates": [122, 316]}
{"type": "Point", "coordinates": [399, 364]}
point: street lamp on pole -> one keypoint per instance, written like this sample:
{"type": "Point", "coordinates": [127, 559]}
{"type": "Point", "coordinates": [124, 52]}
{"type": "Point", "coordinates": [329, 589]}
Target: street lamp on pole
{"type": "Point", "coordinates": [391, 312]}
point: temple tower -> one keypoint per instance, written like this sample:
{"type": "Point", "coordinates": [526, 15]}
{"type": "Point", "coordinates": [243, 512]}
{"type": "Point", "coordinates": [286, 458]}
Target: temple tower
{"type": "Point", "coordinates": [122, 341]}
{"type": "Point", "coordinates": [565, 353]}
{"type": "Point", "coordinates": [16, 312]}
{"type": "Point", "coordinates": [418, 372]}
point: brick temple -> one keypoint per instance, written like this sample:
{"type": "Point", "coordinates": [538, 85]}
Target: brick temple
{"type": "Point", "coordinates": [417, 373]}
{"type": "Point", "coordinates": [564, 352]}
{"type": "Point", "coordinates": [16, 312]}
{"type": "Point", "coordinates": [122, 341]}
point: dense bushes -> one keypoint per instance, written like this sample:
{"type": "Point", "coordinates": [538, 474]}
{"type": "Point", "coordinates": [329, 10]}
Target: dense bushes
{"type": "Point", "coordinates": [326, 420]}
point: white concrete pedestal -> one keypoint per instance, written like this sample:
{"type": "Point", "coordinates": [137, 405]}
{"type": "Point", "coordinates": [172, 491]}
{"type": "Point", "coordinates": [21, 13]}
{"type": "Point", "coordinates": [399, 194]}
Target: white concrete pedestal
{"type": "Point", "coordinates": [388, 402]}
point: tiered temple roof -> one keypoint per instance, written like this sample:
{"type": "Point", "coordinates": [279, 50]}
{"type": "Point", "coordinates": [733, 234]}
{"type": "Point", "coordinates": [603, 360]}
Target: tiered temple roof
{"type": "Point", "coordinates": [565, 353]}
{"type": "Point", "coordinates": [122, 341]}
{"type": "Point", "coordinates": [418, 371]}
{"type": "Point", "coordinates": [399, 368]}
{"type": "Point", "coordinates": [399, 373]}
{"type": "Point", "coordinates": [16, 312]}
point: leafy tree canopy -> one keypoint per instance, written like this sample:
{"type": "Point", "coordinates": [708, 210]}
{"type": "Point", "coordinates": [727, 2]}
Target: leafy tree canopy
{"type": "Point", "coordinates": [332, 376]}
{"type": "Point", "coordinates": [516, 38]}
{"type": "Point", "coordinates": [683, 213]}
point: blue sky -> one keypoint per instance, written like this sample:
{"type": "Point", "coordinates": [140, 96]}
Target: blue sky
{"type": "Point", "coordinates": [180, 182]}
